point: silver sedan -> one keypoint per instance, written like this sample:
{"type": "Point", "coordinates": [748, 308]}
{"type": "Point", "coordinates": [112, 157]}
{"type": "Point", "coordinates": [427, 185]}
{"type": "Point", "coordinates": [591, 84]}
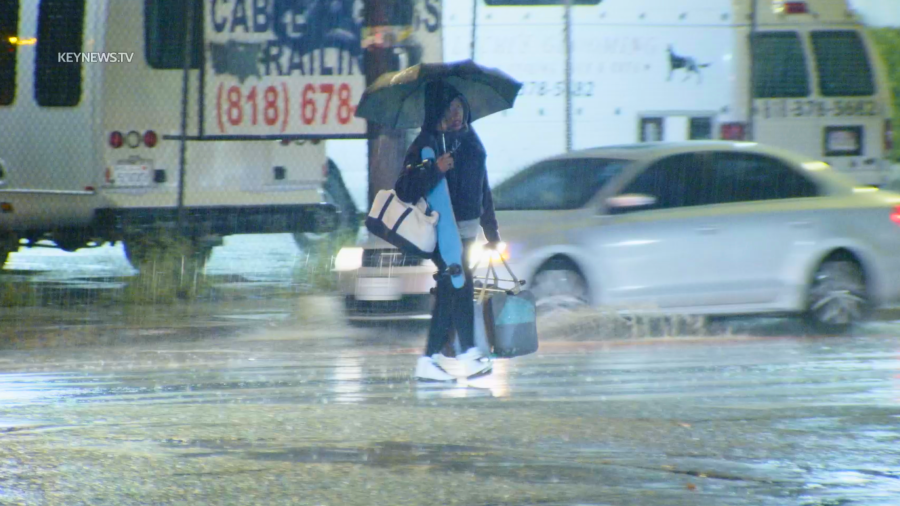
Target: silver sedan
{"type": "Point", "coordinates": [698, 228]}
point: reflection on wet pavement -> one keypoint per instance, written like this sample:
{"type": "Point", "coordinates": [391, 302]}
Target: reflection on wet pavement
{"type": "Point", "coordinates": [270, 416]}
{"type": "Point", "coordinates": [260, 258]}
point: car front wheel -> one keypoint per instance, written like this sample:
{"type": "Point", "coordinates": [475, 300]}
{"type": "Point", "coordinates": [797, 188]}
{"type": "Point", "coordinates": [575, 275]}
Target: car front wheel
{"type": "Point", "coordinates": [559, 287]}
{"type": "Point", "coordinates": [837, 296]}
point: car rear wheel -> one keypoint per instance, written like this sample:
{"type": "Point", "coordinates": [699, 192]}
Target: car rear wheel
{"type": "Point", "coordinates": [837, 296]}
{"type": "Point", "coordinates": [559, 287]}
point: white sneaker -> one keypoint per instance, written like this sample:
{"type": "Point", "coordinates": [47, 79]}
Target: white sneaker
{"type": "Point", "coordinates": [443, 361]}
{"type": "Point", "coordinates": [474, 364]}
{"type": "Point", "coordinates": [427, 370]}
{"type": "Point", "coordinates": [449, 364]}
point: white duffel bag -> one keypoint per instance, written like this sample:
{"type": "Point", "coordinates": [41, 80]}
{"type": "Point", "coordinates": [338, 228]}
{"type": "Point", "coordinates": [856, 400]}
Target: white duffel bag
{"type": "Point", "coordinates": [408, 227]}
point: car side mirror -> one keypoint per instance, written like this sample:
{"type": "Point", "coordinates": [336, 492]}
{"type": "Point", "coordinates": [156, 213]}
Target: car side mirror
{"type": "Point", "coordinates": [629, 202]}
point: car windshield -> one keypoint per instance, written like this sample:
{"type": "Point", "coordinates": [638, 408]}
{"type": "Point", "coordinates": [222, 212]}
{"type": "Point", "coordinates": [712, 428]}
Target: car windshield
{"type": "Point", "coordinates": [555, 185]}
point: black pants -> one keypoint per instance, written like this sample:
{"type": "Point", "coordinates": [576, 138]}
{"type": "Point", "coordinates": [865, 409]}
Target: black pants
{"type": "Point", "coordinates": [453, 308]}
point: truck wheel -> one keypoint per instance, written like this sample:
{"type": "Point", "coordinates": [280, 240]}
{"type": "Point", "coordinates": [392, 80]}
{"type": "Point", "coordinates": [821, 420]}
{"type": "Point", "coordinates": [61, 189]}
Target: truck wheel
{"type": "Point", "coordinates": [308, 240]}
{"type": "Point", "coordinates": [336, 193]}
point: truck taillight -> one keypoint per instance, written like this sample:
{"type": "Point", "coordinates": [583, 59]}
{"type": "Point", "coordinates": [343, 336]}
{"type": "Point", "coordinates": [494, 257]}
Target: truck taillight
{"type": "Point", "coordinates": [150, 138]}
{"type": "Point", "coordinates": [789, 7]}
{"type": "Point", "coordinates": [796, 8]}
{"type": "Point", "coordinates": [888, 136]}
{"type": "Point", "coordinates": [116, 140]}
{"type": "Point", "coordinates": [733, 131]}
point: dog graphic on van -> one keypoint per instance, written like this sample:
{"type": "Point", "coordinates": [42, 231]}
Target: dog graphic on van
{"type": "Point", "coordinates": [687, 63]}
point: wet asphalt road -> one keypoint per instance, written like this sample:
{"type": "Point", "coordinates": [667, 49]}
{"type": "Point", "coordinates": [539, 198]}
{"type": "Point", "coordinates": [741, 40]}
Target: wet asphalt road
{"type": "Point", "coordinates": [279, 403]}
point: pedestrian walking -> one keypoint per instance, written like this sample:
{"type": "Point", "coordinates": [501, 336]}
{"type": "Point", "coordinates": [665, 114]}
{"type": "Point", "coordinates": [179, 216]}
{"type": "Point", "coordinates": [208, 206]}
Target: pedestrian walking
{"type": "Point", "coordinates": [444, 99]}
{"type": "Point", "coordinates": [461, 161]}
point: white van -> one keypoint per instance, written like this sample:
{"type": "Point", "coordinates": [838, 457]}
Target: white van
{"type": "Point", "coordinates": [90, 110]}
{"type": "Point", "coordinates": [799, 74]}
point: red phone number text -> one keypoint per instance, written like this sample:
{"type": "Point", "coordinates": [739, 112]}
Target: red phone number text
{"type": "Point", "coordinates": [320, 104]}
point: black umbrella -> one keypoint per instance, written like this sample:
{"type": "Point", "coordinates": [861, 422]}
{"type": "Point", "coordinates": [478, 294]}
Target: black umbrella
{"type": "Point", "coordinates": [397, 99]}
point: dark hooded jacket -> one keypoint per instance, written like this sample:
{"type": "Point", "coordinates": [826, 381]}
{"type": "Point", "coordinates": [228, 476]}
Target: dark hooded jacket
{"type": "Point", "coordinates": [470, 191]}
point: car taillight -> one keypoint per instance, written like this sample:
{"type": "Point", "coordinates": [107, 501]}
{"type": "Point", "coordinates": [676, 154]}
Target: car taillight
{"type": "Point", "coordinates": [895, 216]}
{"type": "Point", "coordinates": [325, 170]}
{"type": "Point", "coordinates": [732, 131]}
{"type": "Point", "coordinates": [150, 138]}
{"type": "Point", "coordinates": [116, 140]}
{"type": "Point", "coordinates": [888, 135]}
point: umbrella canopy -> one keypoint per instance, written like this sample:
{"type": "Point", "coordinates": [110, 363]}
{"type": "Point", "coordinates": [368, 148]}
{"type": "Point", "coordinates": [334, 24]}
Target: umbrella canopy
{"type": "Point", "coordinates": [397, 99]}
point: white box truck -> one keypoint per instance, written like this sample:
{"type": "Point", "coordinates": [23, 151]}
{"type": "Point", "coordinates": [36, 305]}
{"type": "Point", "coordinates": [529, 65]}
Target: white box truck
{"type": "Point", "coordinates": [802, 75]}
{"type": "Point", "coordinates": [90, 114]}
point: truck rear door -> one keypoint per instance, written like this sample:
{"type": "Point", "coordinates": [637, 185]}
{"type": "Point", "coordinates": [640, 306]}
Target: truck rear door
{"type": "Point", "coordinates": [855, 109]}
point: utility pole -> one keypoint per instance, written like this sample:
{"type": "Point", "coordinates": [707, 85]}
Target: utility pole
{"type": "Point", "coordinates": [387, 146]}
{"type": "Point", "coordinates": [474, 27]}
{"type": "Point", "coordinates": [185, 82]}
{"type": "Point", "coordinates": [568, 35]}
{"type": "Point", "coordinates": [748, 135]}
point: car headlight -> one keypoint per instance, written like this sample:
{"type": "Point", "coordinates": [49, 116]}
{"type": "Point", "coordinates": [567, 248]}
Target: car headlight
{"type": "Point", "coordinates": [348, 259]}
{"type": "Point", "coordinates": [479, 255]}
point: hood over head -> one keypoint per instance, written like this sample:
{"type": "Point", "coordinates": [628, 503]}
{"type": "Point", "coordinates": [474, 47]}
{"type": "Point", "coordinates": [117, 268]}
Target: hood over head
{"type": "Point", "coordinates": [438, 96]}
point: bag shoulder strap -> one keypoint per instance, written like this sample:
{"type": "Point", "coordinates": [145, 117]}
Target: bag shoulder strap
{"type": "Point", "coordinates": [386, 205]}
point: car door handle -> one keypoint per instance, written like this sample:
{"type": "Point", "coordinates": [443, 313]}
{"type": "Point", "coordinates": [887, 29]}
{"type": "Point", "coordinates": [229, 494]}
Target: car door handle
{"type": "Point", "coordinates": [708, 230]}
{"type": "Point", "coordinates": [800, 224]}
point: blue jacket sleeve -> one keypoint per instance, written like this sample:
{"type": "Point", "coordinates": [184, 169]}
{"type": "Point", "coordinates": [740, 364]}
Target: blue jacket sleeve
{"type": "Point", "coordinates": [488, 217]}
{"type": "Point", "coordinates": [416, 180]}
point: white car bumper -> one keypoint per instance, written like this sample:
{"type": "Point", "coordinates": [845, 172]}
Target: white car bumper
{"type": "Point", "coordinates": [399, 293]}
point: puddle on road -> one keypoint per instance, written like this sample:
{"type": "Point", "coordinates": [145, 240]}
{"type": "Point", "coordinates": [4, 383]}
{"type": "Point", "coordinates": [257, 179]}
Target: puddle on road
{"type": "Point", "coordinates": [385, 454]}
{"type": "Point", "coordinates": [10, 424]}
{"type": "Point", "coordinates": [256, 316]}
{"type": "Point", "coordinates": [486, 462]}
